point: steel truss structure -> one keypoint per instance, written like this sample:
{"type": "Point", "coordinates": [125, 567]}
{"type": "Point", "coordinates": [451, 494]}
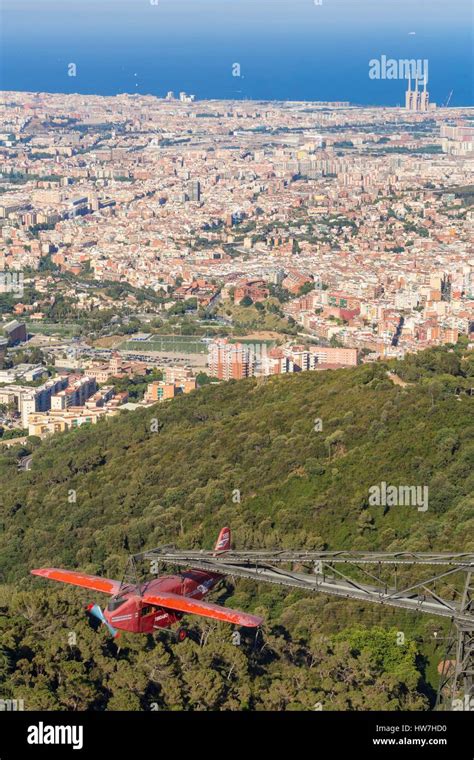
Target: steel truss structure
{"type": "Point", "coordinates": [332, 572]}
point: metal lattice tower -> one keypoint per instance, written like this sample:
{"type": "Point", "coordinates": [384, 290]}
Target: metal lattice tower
{"type": "Point", "coordinates": [131, 578]}
{"type": "Point", "coordinates": [337, 573]}
{"type": "Point", "coordinates": [456, 685]}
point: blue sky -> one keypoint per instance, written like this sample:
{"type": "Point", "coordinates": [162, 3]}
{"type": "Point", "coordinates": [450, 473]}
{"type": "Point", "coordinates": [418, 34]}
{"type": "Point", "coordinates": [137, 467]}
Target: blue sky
{"type": "Point", "coordinates": [185, 15]}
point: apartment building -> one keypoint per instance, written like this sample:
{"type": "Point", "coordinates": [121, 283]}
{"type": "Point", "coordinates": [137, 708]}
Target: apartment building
{"type": "Point", "coordinates": [297, 358]}
{"type": "Point", "coordinates": [161, 390]}
{"type": "Point", "coordinates": [346, 357]}
{"type": "Point", "coordinates": [230, 361]}
{"type": "Point", "coordinates": [15, 332]}
{"type": "Point", "coordinates": [76, 394]}
{"type": "Point", "coordinates": [177, 374]}
{"type": "Point", "coordinates": [276, 362]}
{"type": "Point", "coordinates": [22, 372]}
{"type": "Point", "coordinates": [43, 424]}
{"type": "Point", "coordinates": [38, 399]}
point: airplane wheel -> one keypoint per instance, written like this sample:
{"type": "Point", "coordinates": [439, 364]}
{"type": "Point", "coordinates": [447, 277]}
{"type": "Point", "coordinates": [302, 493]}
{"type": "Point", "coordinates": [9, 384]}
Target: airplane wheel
{"type": "Point", "coordinates": [182, 634]}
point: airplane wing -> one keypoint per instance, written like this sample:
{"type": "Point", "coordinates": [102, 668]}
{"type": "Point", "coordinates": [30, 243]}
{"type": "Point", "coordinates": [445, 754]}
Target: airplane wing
{"type": "Point", "coordinates": [205, 609]}
{"type": "Point", "coordinates": [93, 582]}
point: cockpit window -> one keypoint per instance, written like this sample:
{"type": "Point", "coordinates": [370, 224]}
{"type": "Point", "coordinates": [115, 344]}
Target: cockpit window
{"type": "Point", "coordinates": [115, 603]}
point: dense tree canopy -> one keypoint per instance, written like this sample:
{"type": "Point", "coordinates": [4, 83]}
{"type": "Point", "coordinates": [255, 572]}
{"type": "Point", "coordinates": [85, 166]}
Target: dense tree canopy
{"type": "Point", "coordinates": [286, 463]}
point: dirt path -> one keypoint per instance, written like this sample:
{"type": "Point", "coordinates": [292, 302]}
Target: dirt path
{"type": "Point", "coordinates": [397, 380]}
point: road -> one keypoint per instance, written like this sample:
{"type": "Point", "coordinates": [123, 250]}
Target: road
{"type": "Point", "coordinates": [25, 463]}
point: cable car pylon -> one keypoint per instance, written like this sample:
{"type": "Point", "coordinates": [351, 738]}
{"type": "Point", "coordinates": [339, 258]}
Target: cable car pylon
{"type": "Point", "coordinates": [332, 572]}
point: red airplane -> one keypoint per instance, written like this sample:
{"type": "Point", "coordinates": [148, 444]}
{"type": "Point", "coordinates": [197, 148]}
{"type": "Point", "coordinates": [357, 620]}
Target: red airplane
{"type": "Point", "coordinates": [158, 603]}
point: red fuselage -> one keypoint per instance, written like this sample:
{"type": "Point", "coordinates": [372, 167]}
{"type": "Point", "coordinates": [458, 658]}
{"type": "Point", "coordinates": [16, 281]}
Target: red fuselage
{"type": "Point", "coordinates": [128, 612]}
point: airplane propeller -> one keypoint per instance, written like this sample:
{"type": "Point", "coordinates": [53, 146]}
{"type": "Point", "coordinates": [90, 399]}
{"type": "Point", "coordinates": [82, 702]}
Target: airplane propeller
{"type": "Point", "coordinates": [96, 611]}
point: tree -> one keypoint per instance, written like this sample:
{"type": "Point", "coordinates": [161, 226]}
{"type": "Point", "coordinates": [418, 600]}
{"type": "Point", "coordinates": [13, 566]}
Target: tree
{"type": "Point", "coordinates": [334, 440]}
{"type": "Point", "coordinates": [202, 378]}
{"type": "Point", "coordinates": [306, 288]}
{"type": "Point", "coordinates": [300, 488]}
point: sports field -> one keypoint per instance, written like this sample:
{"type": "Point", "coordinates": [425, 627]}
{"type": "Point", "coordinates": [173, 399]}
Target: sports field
{"type": "Point", "coordinates": [183, 344]}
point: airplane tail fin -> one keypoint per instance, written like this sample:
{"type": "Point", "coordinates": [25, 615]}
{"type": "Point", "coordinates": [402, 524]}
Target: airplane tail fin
{"type": "Point", "coordinates": [223, 542]}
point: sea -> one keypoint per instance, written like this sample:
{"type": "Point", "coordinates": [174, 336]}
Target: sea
{"type": "Point", "coordinates": [217, 53]}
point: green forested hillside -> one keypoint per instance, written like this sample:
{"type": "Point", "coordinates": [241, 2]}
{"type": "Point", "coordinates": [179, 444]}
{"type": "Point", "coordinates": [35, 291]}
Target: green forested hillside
{"type": "Point", "coordinates": [251, 455]}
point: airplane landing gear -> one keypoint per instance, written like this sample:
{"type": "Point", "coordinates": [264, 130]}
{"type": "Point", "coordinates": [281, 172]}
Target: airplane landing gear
{"type": "Point", "coordinates": [181, 634]}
